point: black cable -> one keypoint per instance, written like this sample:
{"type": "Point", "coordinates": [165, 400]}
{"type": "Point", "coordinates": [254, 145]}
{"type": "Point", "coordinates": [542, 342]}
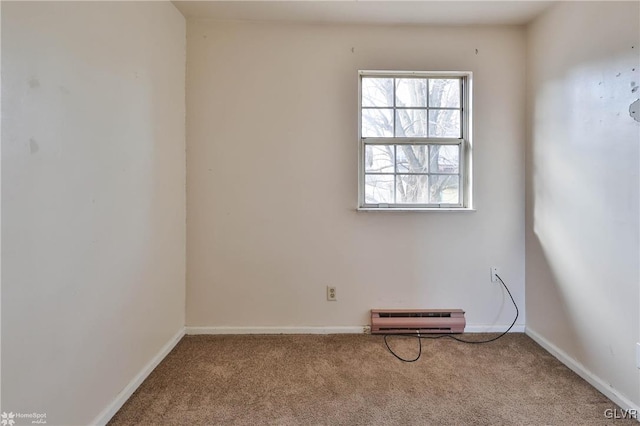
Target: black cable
{"type": "Point", "coordinates": [397, 356]}
{"type": "Point", "coordinates": [450, 336]}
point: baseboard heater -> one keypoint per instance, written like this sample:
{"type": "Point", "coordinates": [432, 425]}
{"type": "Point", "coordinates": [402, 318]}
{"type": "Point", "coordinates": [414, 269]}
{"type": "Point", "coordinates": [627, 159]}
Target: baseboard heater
{"type": "Point", "coordinates": [410, 321]}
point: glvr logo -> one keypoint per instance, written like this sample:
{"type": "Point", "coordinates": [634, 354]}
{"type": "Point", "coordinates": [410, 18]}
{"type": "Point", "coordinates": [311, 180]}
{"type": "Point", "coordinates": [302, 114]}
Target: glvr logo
{"type": "Point", "coordinates": [7, 419]}
{"type": "Point", "coordinates": [619, 413]}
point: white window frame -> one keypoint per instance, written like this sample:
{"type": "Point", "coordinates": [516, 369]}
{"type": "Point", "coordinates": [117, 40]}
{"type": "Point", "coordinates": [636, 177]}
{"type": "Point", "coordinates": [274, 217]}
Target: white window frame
{"type": "Point", "coordinates": [464, 142]}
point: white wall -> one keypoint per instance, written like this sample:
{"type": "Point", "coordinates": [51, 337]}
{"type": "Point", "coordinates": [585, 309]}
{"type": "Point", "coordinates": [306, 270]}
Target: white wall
{"type": "Point", "coordinates": [93, 188]}
{"type": "Point", "coordinates": [582, 188]}
{"type": "Point", "coordinates": [272, 178]}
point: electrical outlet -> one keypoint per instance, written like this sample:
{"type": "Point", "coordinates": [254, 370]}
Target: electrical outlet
{"type": "Point", "coordinates": [494, 271]}
{"type": "Point", "coordinates": [331, 294]}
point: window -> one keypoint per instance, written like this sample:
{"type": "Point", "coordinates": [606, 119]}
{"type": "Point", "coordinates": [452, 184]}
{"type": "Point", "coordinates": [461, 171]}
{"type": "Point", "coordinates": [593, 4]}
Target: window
{"type": "Point", "coordinates": [415, 151]}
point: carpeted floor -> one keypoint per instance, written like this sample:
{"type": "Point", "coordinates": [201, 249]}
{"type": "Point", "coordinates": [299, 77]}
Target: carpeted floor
{"type": "Point", "coordinates": [353, 380]}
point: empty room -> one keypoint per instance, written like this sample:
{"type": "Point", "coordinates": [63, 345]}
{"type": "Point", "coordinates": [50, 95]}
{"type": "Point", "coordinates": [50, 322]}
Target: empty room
{"type": "Point", "coordinates": [320, 213]}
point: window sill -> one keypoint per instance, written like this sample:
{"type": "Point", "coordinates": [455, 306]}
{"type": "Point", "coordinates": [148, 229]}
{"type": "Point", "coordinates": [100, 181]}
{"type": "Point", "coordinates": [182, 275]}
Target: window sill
{"type": "Point", "coordinates": [414, 209]}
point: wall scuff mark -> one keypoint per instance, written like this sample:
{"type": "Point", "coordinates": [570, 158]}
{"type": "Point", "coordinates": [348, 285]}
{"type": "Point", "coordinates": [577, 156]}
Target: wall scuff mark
{"type": "Point", "coordinates": [33, 146]}
{"type": "Point", "coordinates": [33, 83]}
{"type": "Point", "coordinates": [634, 110]}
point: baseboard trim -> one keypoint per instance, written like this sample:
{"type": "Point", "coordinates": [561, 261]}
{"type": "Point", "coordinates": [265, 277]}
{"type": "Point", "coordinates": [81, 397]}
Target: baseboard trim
{"type": "Point", "coordinates": [355, 329]}
{"type": "Point", "coordinates": [517, 328]}
{"type": "Point", "coordinates": [358, 329]}
{"type": "Point", "coordinates": [583, 372]}
{"type": "Point", "coordinates": [106, 415]}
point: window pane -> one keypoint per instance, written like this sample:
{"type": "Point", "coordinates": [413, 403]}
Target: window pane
{"type": "Point", "coordinates": [378, 189]}
{"type": "Point", "coordinates": [411, 92]}
{"type": "Point", "coordinates": [377, 123]}
{"type": "Point", "coordinates": [411, 123]}
{"type": "Point", "coordinates": [412, 158]}
{"type": "Point", "coordinates": [377, 92]}
{"type": "Point", "coordinates": [444, 159]}
{"type": "Point", "coordinates": [444, 123]}
{"type": "Point", "coordinates": [444, 93]}
{"type": "Point", "coordinates": [444, 189]}
{"type": "Point", "coordinates": [412, 189]}
{"type": "Point", "coordinates": [378, 158]}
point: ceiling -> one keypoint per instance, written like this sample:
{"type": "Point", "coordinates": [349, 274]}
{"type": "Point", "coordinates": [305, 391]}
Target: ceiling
{"type": "Point", "coordinates": [369, 12]}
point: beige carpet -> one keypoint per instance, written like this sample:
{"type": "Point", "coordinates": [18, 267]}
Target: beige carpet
{"type": "Point", "coordinates": [353, 380]}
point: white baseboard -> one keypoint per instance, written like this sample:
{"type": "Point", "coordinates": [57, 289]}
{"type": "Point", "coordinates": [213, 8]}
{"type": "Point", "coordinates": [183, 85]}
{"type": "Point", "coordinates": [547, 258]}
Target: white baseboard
{"type": "Point", "coordinates": [106, 415]}
{"type": "Point", "coordinates": [583, 372]}
{"type": "Point", "coordinates": [357, 329]}
{"type": "Point", "coordinates": [517, 328]}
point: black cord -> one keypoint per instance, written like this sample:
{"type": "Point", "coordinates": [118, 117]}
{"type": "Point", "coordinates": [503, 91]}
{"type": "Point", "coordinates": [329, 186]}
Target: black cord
{"type": "Point", "coordinates": [450, 336]}
{"type": "Point", "coordinates": [397, 356]}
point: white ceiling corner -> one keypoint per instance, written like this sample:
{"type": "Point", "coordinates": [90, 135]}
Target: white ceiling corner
{"type": "Point", "coordinates": [442, 12]}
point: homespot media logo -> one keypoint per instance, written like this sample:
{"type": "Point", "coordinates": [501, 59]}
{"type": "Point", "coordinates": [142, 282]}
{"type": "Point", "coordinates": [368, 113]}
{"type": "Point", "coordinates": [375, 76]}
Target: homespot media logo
{"type": "Point", "coordinates": [619, 413]}
{"type": "Point", "coordinates": [9, 419]}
